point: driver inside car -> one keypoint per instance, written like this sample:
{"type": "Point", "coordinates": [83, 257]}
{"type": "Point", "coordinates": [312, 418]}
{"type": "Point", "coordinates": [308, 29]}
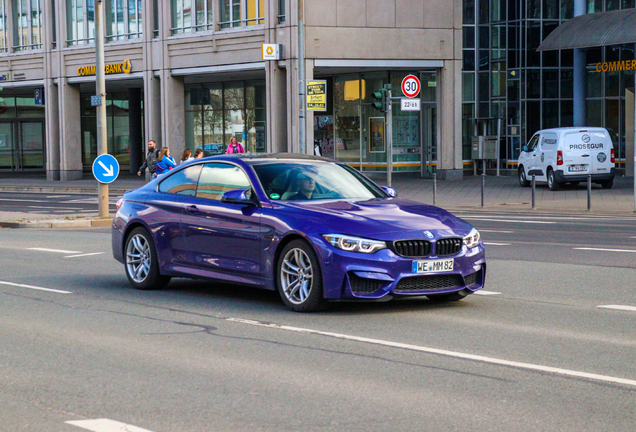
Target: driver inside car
{"type": "Point", "coordinates": [306, 186]}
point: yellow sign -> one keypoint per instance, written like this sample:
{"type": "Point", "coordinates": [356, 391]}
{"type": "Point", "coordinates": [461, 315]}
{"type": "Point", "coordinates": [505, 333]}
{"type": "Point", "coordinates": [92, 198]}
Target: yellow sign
{"type": "Point", "coordinates": [624, 65]}
{"type": "Point", "coordinates": [317, 95]}
{"type": "Point", "coordinates": [124, 67]}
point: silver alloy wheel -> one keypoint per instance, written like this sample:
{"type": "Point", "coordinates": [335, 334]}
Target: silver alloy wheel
{"type": "Point", "coordinates": [138, 258]}
{"type": "Point", "coordinates": [296, 276]}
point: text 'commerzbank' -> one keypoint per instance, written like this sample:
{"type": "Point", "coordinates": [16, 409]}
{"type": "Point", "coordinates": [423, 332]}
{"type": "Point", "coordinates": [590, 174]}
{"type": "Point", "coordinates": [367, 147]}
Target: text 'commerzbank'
{"type": "Point", "coordinates": [123, 67]}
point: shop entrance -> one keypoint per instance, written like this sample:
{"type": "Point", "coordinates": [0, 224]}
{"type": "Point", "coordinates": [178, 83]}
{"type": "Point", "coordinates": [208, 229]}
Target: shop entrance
{"type": "Point", "coordinates": [21, 145]}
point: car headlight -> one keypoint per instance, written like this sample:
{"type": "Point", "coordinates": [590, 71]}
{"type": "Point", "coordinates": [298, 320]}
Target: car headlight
{"type": "Point", "coordinates": [472, 239]}
{"type": "Point", "coordinates": [354, 244]}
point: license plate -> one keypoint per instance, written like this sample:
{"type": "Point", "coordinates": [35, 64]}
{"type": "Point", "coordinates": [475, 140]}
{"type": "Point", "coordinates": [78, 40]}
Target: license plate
{"type": "Point", "coordinates": [577, 168]}
{"type": "Point", "coordinates": [433, 266]}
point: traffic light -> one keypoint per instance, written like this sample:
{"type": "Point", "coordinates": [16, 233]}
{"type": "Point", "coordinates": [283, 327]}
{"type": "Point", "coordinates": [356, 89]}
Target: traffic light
{"type": "Point", "coordinates": [380, 104]}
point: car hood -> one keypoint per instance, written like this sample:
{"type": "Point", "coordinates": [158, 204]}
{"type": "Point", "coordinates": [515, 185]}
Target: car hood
{"type": "Point", "coordinates": [379, 218]}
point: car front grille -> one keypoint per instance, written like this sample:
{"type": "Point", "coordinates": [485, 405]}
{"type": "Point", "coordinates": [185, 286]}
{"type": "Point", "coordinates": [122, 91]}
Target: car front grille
{"type": "Point", "coordinates": [364, 285]}
{"type": "Point", "coordinates": [412, 248]}
{"type": "Point", "coordinates": [416, 284]}
{"type": "Point", "coordinates": [448, 246]}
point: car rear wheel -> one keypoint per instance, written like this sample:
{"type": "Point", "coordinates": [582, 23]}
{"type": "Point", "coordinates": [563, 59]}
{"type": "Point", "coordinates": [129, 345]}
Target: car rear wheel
{"type": "Point", "coordinates": [523, 181]}
{"type": "Point", "coordinates": [142, 266]}
{"type": "Point", "coordinates": [448, 297]}
{"type": "Point", "coordinates": [607, 184]}
{"type": "Point", "coordinates": [552, 183]}
{"type": "Point", "coordinates": [299, 280]}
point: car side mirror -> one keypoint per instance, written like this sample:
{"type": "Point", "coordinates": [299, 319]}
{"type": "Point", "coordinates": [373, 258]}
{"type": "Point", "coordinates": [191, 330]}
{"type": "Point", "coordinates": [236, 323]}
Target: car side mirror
{"type": "Point", "coordinates": [390, 191]}
{"type": "Point", "coordinates": [237, 196]}
{"type": "Point", "coordinates": [525, 148]}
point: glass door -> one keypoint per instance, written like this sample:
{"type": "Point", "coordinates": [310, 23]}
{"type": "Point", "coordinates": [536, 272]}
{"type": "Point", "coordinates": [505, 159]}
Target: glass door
{"type": "Point", "coordinates": [7, 152]}
{"type": "Point", "coordinates": [30, 152]}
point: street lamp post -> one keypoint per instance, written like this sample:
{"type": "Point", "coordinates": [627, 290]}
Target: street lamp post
{"type": "Point", "coordinates": [102, 131]}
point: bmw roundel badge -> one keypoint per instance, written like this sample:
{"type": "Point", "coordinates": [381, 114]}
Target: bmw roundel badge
{"type": "Point", "coordinates": [429, 234]}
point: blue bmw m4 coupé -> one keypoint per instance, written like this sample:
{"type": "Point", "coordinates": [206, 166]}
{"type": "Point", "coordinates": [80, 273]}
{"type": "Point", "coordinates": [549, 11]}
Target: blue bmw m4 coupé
{"type": "Point", "coordinates": [313, 229]}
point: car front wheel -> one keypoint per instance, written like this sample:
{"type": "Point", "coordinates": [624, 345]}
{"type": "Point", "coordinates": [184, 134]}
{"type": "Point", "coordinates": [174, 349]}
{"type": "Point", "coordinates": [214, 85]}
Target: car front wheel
{"type": "Point", "coordinates": [142, 266]}
{"type": "Point", "coordinates": [299, 280]}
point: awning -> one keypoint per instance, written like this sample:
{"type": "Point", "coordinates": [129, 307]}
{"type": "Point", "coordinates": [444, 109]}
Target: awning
{"type": "Point", "coordinates": [593, 30]}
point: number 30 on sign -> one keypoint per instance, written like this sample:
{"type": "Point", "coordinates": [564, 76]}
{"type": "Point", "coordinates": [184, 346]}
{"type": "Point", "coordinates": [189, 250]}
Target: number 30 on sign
{"type": "Point", "coordinates": [410, 86]}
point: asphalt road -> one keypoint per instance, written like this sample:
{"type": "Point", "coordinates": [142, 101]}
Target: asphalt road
{"type": "Point", "coordinates": [540, 350]}
{"type": "Point", "coordinates": [51, 203]}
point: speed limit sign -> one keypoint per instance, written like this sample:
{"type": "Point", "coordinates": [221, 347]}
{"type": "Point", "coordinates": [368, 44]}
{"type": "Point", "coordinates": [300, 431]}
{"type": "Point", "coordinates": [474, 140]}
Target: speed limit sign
{"type": "Point", "coordinates": [410, 86]}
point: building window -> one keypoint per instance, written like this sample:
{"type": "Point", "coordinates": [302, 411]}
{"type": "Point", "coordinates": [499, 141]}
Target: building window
{"type": "Point", "coordinates": [27, 25]}
{"type": "Point", "coordinates": [237, 13]}
{"type": "Point", "coordinates": [123, 20]}
{"type": "Point", "coordinates": [191, 16]}
{"type": "Point", "coordinates": [3, 27]}
{"type": "Point", "coordinates": [281, 11]}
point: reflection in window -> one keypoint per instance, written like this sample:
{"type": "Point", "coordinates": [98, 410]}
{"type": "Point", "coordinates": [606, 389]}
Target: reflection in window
{"type": "Point", "coordinates": [191, 16]}
{"type": "Point", "coordinates": [123, 20]}
{"type": "Point", "coordinates": [3, 26]}
{"type": "Point", "coordinates": [217, 178]}
{"type": "Point", "coordinates": [237, 13]}
{"type": "Point", "coordinates": [27, 24]}
{"type": "Point", "coordinates": [182, 182]}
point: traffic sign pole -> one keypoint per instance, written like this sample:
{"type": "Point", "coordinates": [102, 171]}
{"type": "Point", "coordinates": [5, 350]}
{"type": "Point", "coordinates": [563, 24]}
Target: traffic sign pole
{"type": "Point", "coordinates": [100, 78]}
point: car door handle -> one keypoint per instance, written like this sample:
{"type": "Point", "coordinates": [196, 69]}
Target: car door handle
{"type": "Point", "coordinates": [587, 155]}
{"type": "Point", "coordinates": [192, 209]}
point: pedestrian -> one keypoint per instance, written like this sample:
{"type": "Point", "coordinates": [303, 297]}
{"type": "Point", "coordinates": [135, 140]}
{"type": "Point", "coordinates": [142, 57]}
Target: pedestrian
{"type": "Point", "coordinates": [165, 162]}
{"type": "Point", "coordinates": [198, 153]}
{"type": "Point", "coordinates": [235, 146]}
{"type": "Point", "coordinates": [151, 159]}
{"type": "Point", "coordinates": [186, 156]}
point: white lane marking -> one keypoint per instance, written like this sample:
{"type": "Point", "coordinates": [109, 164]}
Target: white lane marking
{"type": "Point", "coordinates": [496, 231]}
{"type": "Point", "coordinates": [508, 220]}
{"type": "Point", "coordinates": [83, 255]}
{"type": "Point", "coordinates": [486, 293]}
{"type": "Point", "coordinates": [497, 244]}
{"type": "Point", "coordinates": [58, 196]}
{"type": "Point", "coordinates": [23, 200]}
{"type": "Point", "coordinates": [618, 307]}
{"type": "Point", "coordinates": [35, 287]}
{"type": "Point", "coordinates": [66, 208]}
{"type": "Point", "coordinates": [55, 250]}
{"type": "Point", "coordinates": [455, 354]}
{"type": "Point", "coordinates": [604, 250]}
{"type": "Point", "coordinates": [106, 425]}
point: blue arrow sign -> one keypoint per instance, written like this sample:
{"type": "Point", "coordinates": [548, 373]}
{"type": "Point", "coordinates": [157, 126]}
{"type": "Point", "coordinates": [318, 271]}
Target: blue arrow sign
{"type": "Point", "coordinates": [105, 169]}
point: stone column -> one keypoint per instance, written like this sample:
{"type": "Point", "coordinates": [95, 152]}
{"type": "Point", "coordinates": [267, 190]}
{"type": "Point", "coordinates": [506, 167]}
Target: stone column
{"type": "Point", "coordinates": [70, 131]}
{"type": "Point", "coordinates": [449, 138]}
{"type": "Point", "coordinates": [276, 88]}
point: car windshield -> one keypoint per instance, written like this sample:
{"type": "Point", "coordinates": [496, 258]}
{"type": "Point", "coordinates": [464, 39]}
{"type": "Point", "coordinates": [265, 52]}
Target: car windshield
{"type": "Point", "coordinates": [300, 181]}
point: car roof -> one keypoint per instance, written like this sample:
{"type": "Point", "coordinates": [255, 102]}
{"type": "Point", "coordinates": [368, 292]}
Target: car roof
{"type": "Point", "coordinates": [263, 158]}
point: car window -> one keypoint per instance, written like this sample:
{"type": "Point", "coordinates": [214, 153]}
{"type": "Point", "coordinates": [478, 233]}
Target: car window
{"type": "Point", "coordinates": [182, 182]}
{"type": "Point", "coordinates": [533, 143]}
{"type": "Point", "coordinates": [289, 181]}
{"type": "Point", "coordinates": [218, 178]}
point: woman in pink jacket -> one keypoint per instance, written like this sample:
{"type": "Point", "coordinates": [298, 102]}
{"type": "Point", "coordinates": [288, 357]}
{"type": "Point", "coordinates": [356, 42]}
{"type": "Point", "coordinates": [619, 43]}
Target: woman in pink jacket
{"type": "Point", "coordinates": [235, 146]}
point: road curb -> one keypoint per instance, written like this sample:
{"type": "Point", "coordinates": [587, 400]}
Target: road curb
{"type": "Point", "coordinates": [85, 223]}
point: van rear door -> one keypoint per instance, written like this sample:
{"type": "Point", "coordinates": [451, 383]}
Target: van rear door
{"type": "Point", "coordinates": [582, 151]}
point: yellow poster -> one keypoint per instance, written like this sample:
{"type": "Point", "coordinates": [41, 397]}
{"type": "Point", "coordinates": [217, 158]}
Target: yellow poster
{"type": "Point", "coordinates": [317, 95]}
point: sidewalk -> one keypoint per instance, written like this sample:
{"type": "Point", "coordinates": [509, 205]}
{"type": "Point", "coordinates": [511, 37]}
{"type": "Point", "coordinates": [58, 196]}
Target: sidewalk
{"type": "Point", "coordinates": [502, 194]}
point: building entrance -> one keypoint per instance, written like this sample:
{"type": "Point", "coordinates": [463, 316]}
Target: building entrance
{"type": "Point", "coordinates": [22, 145]}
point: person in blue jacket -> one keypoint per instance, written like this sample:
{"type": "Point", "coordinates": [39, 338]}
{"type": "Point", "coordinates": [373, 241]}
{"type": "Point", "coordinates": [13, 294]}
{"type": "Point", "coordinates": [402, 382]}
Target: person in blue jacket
{"type": "Point", "coordinates": [165, 162]}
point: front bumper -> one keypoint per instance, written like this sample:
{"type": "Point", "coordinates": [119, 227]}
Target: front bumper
{"type": "Point", "coordinates": [562, 177]}
{"type": "Point", "coordinates": [350, 275]}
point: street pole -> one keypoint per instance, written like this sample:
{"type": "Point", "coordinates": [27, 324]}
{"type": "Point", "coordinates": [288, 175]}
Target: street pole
{"type": "Point", "coordinates": [102, 131]}
{"type": "Point", "coordinates": [302, 136]}
{"type": "Point", "coordinates": [389, 136]}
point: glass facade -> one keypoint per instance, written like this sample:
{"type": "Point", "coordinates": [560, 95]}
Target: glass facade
{"type": "Point", "coordinates": [354, 131]}
{"type": "Point", "coordinates": [21, 134]}
{"type": "Point", "coordinates": [27, 24]}
{"type": "Point", "coordinates": [237, 13]}
{"type": "Point", "coordinates": [504, 77]}
{"type": "Point", "coordinates": [118, 126]}
{"type": "Point", "coordinates": [217, 111]}
{"type": "Point", "coordinates": [123, 20]}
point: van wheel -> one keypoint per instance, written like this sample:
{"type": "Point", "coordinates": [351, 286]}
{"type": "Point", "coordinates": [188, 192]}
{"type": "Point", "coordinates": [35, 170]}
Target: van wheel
{"type": "Point", "coordinates": [523, 181]}
{"type": "Point", "coordinates": [607, 184]}
{"type": "Point", "coordinates": [552, 183]}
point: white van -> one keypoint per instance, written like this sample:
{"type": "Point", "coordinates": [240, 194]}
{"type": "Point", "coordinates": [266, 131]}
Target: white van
{"type": "Point", "coordinates": [568, 155]}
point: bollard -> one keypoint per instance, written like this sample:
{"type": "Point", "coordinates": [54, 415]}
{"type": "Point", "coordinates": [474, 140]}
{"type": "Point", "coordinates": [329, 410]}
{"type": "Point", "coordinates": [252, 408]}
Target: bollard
{"type": "Point", "coordinates": [483, 183]}
{"type": "Point", "coordinates": [533, 189]}
{"type": "Point", "coordinates": [434, 188]}
{"type": "Point", "coordinates": [589, 192]}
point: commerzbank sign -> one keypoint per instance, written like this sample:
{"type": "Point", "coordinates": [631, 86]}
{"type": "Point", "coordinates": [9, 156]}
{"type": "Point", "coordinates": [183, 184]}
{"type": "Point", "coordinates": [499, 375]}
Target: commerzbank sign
{"type": "Point", "coordinates": [624, 65]}
{"type": "Point", "coordinates": [123, 67]}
